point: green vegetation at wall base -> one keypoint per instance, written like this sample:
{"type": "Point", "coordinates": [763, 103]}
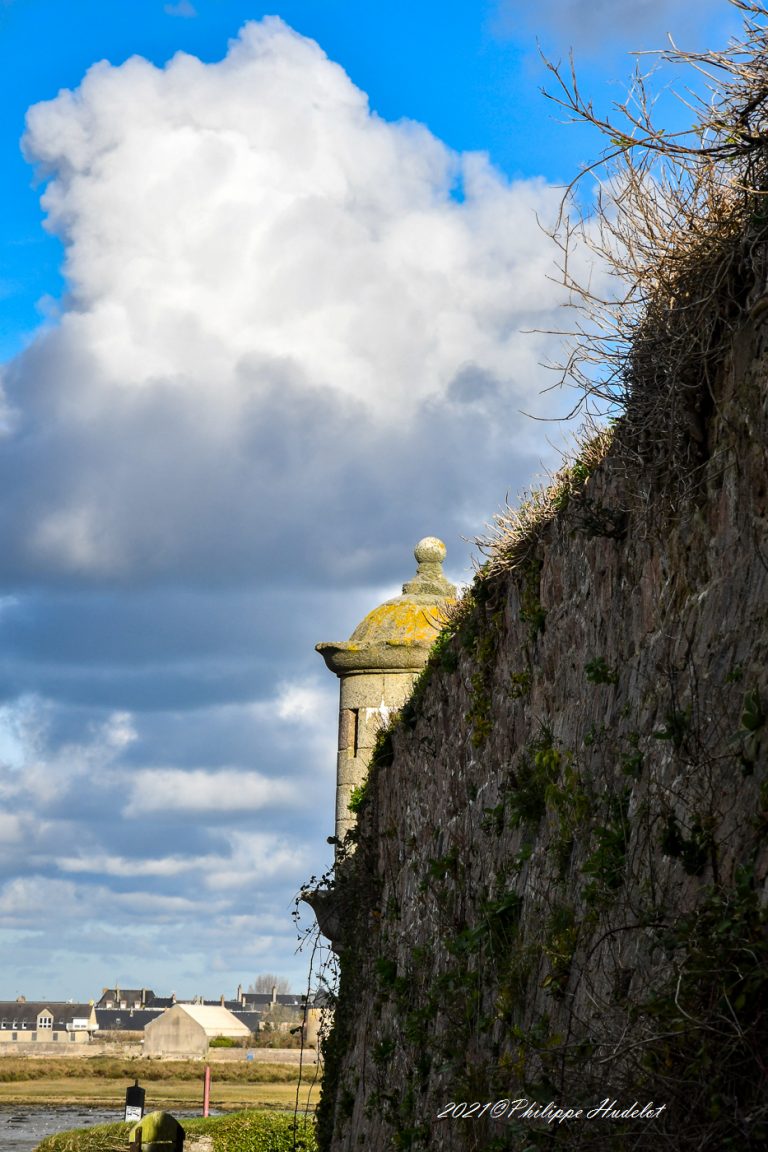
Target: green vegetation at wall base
{"type": "Point", "coordinates": [240, 1132]}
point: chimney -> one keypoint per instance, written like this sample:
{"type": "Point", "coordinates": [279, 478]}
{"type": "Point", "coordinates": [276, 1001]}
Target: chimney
{"type": "Point", "coordinates": [239, 995]}
{"type": "Point", "coordinates": [222, 1000]}
{"type": "Point", "coordinates": [173, 997]}
{"type": "Point", "coordinates": [274, 993]}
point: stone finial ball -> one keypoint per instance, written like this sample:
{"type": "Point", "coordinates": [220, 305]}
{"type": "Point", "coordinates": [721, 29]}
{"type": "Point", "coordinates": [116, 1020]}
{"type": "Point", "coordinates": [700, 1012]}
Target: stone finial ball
{"type": "Point", "coordinates": [430, 550]}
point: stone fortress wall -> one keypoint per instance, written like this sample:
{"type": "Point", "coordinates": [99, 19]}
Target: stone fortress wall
{"type": "Point", "coordinates": [558, 883]}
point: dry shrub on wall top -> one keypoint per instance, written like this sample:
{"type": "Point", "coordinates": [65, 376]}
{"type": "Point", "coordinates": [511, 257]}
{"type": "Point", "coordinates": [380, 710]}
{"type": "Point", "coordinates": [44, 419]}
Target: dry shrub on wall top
{"type": "Point", "coordinates": [681, 219]}
{"type": "Point", "coordinates": [515, 531]}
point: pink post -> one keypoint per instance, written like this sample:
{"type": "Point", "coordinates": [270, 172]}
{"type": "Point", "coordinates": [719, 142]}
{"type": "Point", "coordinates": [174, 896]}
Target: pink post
{"type": "Point", "coordinates": [206, 1089]}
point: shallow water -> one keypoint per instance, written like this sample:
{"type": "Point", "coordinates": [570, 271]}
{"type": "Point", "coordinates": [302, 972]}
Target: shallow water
{"type": "Point", "coordinates": [23, 1126]}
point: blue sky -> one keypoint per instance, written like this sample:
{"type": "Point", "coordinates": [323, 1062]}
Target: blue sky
{"type": "Point", "coordinates": [282, 323]}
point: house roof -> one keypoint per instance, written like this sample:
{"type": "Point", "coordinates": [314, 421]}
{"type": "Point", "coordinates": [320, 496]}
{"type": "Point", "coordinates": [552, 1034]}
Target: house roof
{"type": "Point", "coordinates": [125, 1019]}
{"type": "Point", "coordinates": [248, 1017]}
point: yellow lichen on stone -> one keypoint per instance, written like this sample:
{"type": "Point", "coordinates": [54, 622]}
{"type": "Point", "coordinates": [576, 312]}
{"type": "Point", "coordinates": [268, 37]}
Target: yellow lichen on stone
{"type": "Point", "coordinates": [401, 621]}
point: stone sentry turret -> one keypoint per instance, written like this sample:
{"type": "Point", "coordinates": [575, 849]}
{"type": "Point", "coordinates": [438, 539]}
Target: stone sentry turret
{"type": "Point", "coordinates": [378, 665]}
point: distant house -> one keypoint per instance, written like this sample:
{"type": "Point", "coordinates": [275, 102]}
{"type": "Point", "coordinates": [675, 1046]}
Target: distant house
{"type": "Point", "coordinates": [46, 1021]}
{"type": "Point", "coordinates": [262, 1001]}
{"type": "Point", "coordinates": [280, 1011]}
{"type": "Point", "coordinates": [129, 1009]}
{"type": "Point", "coordinates": [187, 1029]}
{"type": "Point", "coordinates": [126, 998]}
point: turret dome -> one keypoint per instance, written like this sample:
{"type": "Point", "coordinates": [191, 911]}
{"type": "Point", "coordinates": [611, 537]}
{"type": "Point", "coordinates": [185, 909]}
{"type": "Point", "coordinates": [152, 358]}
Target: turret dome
{"type": "Point", "coordinates": [398, 634]}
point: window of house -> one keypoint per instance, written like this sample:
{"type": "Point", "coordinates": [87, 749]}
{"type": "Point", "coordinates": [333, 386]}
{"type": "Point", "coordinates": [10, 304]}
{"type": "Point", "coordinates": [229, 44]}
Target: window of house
{"type": "Point", "coordinates": [14, 1035]}
{"type": "Point", "coordinates": [54, 1036]}
{"type": "Point", "coordinates": [72, 1037]}
{"type": "Point", "coordinates": [45, 1022]}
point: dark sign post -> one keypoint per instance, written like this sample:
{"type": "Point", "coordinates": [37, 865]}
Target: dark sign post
{"type": "Point", "coordinates": [134, 1102]}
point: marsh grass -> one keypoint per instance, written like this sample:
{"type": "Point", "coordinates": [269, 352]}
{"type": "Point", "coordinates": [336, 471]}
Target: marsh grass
{"type": "Point", "coordinates": [109, 1068]}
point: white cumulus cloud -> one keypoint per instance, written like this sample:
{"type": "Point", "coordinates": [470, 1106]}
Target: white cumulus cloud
{"type": "Point", "coordinates": [305, 703]}
{"type": "Point", "coordinates": [176, 790]}
{"type": "Point", "coordinates": [222, 218]}
{"type": "Point", "coordinates": [283, 311]}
